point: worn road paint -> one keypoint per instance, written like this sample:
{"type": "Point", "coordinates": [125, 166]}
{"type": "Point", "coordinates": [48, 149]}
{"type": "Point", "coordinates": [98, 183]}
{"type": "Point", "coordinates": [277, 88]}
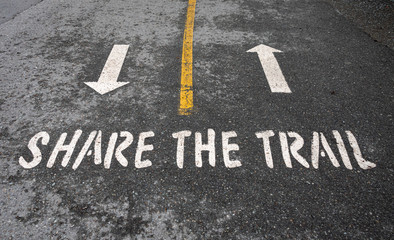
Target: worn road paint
{"type": "Point", "coordinates": [180, 150]}
{"type": "Point", "coordinates": [109, 76]}
{"type": "Point", "coordinates": [364, 164]}
{"type": "Point", "coordinates": [290, 145]}
{"type": "Point", "coordinates": [209, 147]}
{"type": "Point", "coordinates": [227, 148]}
{"type": "Point", "coordinates": [186, 94]}
{"type": "Point", "coordinates": [275, 78]}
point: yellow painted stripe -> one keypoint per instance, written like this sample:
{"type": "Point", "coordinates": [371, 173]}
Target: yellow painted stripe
{"type": "Point", "coordinates": [186, 95]}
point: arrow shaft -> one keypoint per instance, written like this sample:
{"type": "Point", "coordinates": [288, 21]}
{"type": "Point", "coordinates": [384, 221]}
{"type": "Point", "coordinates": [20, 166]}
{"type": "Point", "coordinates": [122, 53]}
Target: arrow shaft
{"type": "Point", "coordinates": [114, 64]}
{"type": "Point", "coordinates": [273, 73]}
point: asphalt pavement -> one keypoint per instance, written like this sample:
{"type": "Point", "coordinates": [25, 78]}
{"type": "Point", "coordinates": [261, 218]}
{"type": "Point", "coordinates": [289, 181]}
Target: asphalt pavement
{"type": "Point", "coordinates": [199, 119]}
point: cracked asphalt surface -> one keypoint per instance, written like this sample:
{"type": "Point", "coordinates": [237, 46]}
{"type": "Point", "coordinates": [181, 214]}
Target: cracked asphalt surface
{"type": "Point", "coordinates": [341, 79]}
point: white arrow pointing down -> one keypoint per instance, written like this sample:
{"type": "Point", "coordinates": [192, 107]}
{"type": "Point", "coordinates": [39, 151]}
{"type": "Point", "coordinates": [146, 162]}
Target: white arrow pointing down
{"type": "Point", "coordinates": [275, 78]}
{"type": "Point", "coordinates": [109, 76]}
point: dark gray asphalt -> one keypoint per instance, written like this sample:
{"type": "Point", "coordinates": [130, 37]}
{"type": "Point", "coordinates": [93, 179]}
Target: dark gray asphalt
{"type": "Point", "coordinates": [375, 17]}
{"type": "Point", "coordinates": [9, 9]}
{"type": "Point", "coordinates": [341, 79]}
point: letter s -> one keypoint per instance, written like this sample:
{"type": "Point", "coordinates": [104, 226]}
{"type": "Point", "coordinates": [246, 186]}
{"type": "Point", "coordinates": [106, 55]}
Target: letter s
{"type": "Point", "coordinates": [37, 156]}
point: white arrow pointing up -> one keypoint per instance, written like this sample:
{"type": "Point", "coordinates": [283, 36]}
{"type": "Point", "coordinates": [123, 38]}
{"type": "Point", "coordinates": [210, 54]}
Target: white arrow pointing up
{"type": "Point", "coordinates": [271, 67]}
{"type": "Point", "coordinates": [109, 76]}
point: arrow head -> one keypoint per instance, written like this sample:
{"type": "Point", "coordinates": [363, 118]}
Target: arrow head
{"type": "Point", "coordinates": [105, 87]}
{"type": "Point", "coordinates": [263, 49]}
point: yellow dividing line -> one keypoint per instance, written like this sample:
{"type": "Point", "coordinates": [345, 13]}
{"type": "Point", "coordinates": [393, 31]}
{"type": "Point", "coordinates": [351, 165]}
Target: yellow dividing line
{"type": "Point", "coordinates": [186, 95]}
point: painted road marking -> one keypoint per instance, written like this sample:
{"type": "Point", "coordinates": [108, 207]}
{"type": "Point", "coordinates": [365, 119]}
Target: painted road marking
{"type": "Point", "coordinates": [271, 67]}
{"type": "Point", "coordinates": [109, 76]}
{"type": "Point", "coordinates": [290, 144]}
{"type": "Point", "coordinates": [186, 93]}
